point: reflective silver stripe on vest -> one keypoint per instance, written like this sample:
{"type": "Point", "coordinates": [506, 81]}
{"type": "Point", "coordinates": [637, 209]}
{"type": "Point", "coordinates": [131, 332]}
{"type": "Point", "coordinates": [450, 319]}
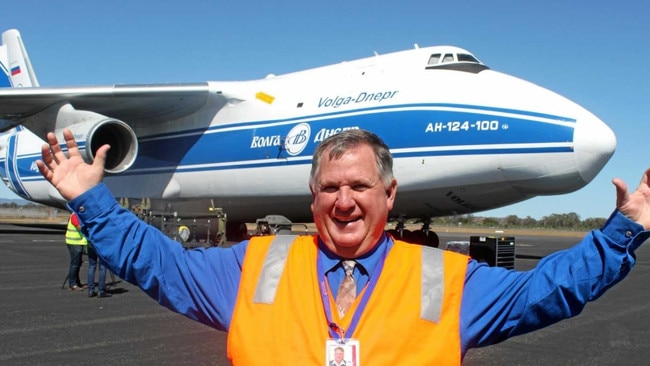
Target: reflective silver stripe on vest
{"type": "Point", "coordinates": [272, 270]}
{"type": "Point", "coordinates": [433, 284]}
{"type": "Point", "coordinates": [432, 277]}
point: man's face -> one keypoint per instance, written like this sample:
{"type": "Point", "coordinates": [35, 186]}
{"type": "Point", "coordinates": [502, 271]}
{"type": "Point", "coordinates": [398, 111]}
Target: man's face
{"type": "Point", "coordinates": [338, 355]}
{"type": "Point", "coordinates": [351, 204]}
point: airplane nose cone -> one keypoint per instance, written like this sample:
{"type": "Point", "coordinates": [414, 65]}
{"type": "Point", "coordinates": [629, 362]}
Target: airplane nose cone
{"type": "Point", "coordinates": [594, 145]}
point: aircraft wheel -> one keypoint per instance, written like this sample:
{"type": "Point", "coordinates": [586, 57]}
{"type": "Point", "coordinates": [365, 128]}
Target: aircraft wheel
{"type": "Point", "coordinates": [430, 239]}
{"type": "Point", "coordinates": [427, 238]}
{"type": "Point", "coordinates": [394, 233]}
{"type": "Point", "coordinates": [236, 231]}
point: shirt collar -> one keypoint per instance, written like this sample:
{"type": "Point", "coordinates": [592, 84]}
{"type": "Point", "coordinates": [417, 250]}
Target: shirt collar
{"type": "Point", "coordinates": [367, 262]}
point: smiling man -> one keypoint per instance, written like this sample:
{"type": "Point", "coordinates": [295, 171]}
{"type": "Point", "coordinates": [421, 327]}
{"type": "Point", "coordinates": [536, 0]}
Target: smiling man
{"type": "Point", "coordinates": [290, 299]}
{"type": "Point", "coordinates": [354, 189]}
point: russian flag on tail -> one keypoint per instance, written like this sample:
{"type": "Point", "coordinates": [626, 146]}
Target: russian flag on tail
{"type": "Point", "coordinates": [15, 70]}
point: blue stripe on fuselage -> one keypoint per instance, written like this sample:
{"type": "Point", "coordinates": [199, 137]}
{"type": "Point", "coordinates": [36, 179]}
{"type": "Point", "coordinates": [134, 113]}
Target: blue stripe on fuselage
{"type": "Point", "coordinates": [400, 129]}
{"type": "Point", "coordinates": [12, 167]}
{"type": "Point", "coordinates": [410, 130]}
{"type": "Point", "coordinates": [247, 125]}
{"type": "Point", "coordinates": [4, 76]}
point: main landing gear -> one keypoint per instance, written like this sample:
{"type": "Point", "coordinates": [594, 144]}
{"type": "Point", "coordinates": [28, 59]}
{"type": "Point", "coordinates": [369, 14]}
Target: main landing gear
{"type": "Point", "coordinates": [423, 236]}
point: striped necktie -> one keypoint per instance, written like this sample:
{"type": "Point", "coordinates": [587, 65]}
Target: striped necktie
{"type": "Point", "coordinates": [348, 289]}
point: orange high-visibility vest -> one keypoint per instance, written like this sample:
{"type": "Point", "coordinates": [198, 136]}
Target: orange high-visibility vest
{"type": "Point", "coordinates": [411, 318]}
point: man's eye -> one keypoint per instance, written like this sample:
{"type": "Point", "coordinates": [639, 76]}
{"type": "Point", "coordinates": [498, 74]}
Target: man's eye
{"type": "Point", "coordinates": [329, 189]}
{"type": "Point", "coordinates": [360, 187]}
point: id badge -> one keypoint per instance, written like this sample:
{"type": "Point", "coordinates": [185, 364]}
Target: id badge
{"type": "Point", "coordinates": [342, 352]}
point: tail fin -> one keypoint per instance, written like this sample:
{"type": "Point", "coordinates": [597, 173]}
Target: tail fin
{"type": "Point", "coordinates": [16, 69]}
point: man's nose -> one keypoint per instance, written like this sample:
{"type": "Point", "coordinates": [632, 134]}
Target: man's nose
{"type": "Point", "coordinates": [344, 199]}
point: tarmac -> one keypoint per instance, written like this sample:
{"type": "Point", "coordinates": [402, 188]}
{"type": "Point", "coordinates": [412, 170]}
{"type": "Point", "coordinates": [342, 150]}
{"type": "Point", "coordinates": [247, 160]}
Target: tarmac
{"type": "Point", "coordinates": [42, 322]}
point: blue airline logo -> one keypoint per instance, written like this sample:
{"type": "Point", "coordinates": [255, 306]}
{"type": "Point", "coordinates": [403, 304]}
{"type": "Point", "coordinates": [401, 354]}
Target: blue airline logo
{"type": "Point", "coordinates": [297, 139]}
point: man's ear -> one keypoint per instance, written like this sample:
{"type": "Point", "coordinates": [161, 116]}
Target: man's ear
{"type": "Point", "coordinates": [313, 191]}
{"type": "Point", "coordinates": [391, 192]}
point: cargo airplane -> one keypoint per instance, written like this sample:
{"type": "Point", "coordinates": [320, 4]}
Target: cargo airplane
{"type": "Point", "coordinates": [465, 138]}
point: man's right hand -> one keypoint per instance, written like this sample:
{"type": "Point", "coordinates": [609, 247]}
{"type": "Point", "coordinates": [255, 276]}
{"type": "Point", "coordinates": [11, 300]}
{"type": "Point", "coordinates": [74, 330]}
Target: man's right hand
{"type": "Point", "coordinates": [70, 175]}
{"type": "Point", "coordinates": [635, 205]}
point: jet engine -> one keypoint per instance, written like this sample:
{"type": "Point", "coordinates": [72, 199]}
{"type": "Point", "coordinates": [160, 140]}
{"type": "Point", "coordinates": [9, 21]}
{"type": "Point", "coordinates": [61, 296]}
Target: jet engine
{"type": "Point", "coordinates": [92, 135]}
{"type": "Point", "coordinates": [92, 130]}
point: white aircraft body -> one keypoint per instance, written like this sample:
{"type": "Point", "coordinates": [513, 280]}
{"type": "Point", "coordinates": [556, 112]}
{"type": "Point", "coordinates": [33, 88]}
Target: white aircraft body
{"type": "Point", "coordinates": [464, 138]}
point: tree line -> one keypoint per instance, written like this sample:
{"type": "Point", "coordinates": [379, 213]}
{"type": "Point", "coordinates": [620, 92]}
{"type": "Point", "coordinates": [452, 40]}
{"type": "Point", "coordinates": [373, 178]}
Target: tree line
{"type": "Point", "coordinates": [19, 205]}
{"type": "Point", "coordinates": [565, 221]}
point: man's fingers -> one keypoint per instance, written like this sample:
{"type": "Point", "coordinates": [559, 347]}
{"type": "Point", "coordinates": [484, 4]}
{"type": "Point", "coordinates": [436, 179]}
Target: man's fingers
{"type": "Point", "coordinates": [100, 155]}
{"type": "Point", "coordinates": [45, 171]}
{"type": "Point", "coordinates": [56, 152]}
{"type": "Point", "coordinates": [621, 192]}
{"type": "Point", "coordinates": [46, 154]}
{"type": "Point", "coordinates": [73, 149]}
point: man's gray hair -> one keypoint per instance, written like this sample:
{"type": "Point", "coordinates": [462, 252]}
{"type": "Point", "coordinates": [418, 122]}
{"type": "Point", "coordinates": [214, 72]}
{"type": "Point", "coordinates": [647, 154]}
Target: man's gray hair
{"type": "Point", "coordinates": [339, 144]}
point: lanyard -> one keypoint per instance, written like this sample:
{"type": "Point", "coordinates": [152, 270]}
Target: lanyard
{"type": "Point", "coordinates": [334, 329]}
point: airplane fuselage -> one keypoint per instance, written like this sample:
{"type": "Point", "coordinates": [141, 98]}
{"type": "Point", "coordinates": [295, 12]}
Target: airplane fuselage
{"type": "Point", "coordinates": [463, 140]}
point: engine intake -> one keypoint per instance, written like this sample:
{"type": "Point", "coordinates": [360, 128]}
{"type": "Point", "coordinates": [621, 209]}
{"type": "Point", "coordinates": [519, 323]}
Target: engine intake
{"type": "Point", "coordinates": [91, 135]}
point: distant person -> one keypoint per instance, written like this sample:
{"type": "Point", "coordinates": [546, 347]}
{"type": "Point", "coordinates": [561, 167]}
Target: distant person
{"type": "Point", "coordinates": [284, 299]}
{"type": "Point", "coordinates": [96, 262]}
{"type": "Point", "coordinates": [76, 243]}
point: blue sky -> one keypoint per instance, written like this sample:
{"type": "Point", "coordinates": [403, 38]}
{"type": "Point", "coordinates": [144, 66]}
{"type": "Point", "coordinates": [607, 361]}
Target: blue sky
{"type": "Point", "coordinates": [593, 52]}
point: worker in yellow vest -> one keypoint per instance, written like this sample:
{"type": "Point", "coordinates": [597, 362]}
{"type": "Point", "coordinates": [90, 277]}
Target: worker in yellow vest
{"type": "Point", "coordinates": [76, 244]}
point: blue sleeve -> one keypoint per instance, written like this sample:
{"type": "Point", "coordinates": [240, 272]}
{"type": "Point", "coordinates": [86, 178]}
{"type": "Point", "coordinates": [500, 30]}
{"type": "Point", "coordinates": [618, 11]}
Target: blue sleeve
{"type": "Point", "coordinates": [201, 283]}
{"type": "Point", "coordinates": [498, 303]}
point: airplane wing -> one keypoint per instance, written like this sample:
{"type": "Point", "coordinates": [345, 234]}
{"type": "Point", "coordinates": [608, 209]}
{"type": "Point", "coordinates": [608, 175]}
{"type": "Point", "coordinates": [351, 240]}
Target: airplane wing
{"type": "Point", "coordinates": [126, 102]}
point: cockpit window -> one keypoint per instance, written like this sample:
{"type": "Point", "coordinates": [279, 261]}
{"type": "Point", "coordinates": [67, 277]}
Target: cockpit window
{"type": "Point", "coordinates": [455, 61]}
{"type": "Point", "coordinates": [434, 59]}
{"type": "Point", "coordinates": [463, 57]}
